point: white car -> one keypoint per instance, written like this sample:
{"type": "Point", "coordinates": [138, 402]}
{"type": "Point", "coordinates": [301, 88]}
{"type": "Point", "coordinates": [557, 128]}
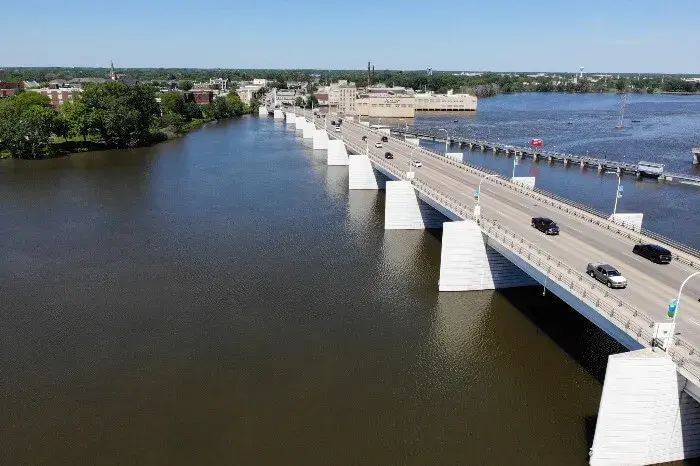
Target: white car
{"type": "Point", "coordinates": [337, 129]}
{"type": "Point", "coordinates": [416, 163]}
{"type": "Point", "coordinates": [378, 145]}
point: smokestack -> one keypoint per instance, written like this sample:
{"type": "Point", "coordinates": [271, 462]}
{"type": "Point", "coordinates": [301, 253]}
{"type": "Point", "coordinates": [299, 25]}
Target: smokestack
{"type": "Point", "coordinates": [368, 74]}
{"type": "Point", "coordinates": [373, 75]}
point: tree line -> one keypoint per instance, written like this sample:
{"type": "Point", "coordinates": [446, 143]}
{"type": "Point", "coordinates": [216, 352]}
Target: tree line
{"type": "Point", "coordinates": [111, 114]}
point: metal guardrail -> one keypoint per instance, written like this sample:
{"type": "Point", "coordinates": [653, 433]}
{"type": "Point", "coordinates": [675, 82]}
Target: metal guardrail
{"type": "Point", "coordinates": [628, 318]}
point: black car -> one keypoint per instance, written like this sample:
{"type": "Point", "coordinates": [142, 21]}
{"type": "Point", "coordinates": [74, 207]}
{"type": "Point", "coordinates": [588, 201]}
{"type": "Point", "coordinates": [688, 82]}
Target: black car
{"type": "Point", "coordinates": [364, 138]}
{"type": "Point", "coordinates": [385, 139]}
{"type": "Point", "coordinates": [332, 122]}
{"type": "Point", "coordinates": [388, 155]}
{"type": "Point", "coordinates": [653, 252]}
{"type": "Point", "coordinates": [545, 225]}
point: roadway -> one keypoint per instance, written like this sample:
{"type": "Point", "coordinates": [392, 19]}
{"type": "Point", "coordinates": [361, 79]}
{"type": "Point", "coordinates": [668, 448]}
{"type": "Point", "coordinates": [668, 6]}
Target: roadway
{"type": "Point", "coordinates": [650, 285]}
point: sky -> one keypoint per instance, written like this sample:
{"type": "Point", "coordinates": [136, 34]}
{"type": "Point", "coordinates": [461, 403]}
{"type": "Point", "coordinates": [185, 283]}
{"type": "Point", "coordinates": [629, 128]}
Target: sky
{"type": "Point", "coordinates": [626, 36]}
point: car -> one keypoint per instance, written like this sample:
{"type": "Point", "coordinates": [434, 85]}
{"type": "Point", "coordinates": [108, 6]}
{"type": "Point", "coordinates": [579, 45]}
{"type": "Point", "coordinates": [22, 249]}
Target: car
{"type": "Point", "coordinates": [545, 225]}
{"type": "Point", "coordinates": [378, 145]}
{"type": "Point", "coordinates": [364, 138]}
{"type": "Point", "coordinates": [388, 155]}
{"type": "Point", "coordinates": [385, 139]}
{"type": "Point", "coordinates": [337, 129]}
{"type": "Point", "coordinates": [653, 252]}
{"type": "Point", "coordinates": [417, 163]}
{"type": "Point", "coordinates": [332, 122]}
{"type": "Point", "coordinates": [607, 274]}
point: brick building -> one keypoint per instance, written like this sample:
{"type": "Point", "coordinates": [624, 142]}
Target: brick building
{"type": "Point", "coordinates": [7, 89]}
{"type": "Point", "coordinates": [199, 96]}
{"type": "Point", "coordinates": [58, 96]}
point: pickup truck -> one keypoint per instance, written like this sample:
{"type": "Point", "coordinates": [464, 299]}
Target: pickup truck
{"type": "Point", "coordinates": [607, 274]}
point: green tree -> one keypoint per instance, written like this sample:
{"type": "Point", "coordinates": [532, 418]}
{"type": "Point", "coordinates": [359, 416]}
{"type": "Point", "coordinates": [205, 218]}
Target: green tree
{"type": "Point", "coordinates": [184, 85]}
{"type": "Point", "coordinates": [77, 118]}
{"type": "Point", "coordinates": [311, 101]}
{"type": "Point", "coordinates": [621, 84]}
{"type": "Point", "coordinates": [299, 102]}
{"type": "Point", "coordinates": [237, 106]}
{"type": "Point", "coordinates": [27, 122]}
{"type": "Point", "coordinates": [221, 109]}
{"type": "Point", "coordinates": [173, 102]}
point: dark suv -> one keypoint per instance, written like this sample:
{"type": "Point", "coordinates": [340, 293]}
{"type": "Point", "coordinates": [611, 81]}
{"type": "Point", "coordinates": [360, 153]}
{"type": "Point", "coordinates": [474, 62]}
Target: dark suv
{"type": "Point", "coordinates": [385, 139]}
{"type": "Point", "coordinates": [388, 155]}
{"type": "Point", "coordinates": [545, 225]}
{"type": "Point", "coordinates": [653, 252]}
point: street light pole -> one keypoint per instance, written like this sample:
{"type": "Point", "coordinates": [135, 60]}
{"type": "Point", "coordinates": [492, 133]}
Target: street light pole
{"type": "Point", "coordinates": [477, 208]}
{"type": "Point", "coordinates": [678, 300]}
{"type": "Point", "coordinates": [617, 195]}
{"type": "Point", "coordinates": [515, 162]}
{"type": "Point", "coordinates": [447, 138]}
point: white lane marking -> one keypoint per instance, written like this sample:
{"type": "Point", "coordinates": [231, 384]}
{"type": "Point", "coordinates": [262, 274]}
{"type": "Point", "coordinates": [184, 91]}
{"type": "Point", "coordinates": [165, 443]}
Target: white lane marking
{"type": "Point", "coordinates": [695, 322]}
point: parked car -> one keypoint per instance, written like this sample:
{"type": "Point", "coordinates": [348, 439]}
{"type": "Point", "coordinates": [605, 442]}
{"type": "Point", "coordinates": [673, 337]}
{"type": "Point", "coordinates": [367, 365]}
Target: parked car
{"type": "Point", "coordinates": [653, 252]}
{"type": "Point", "coordinates": [333, 123]}
{"type": "Point", "coordinates": [364, 138]}
{"type": "Point", "coordinates": [388, 155]}
{"type": "Point", "coordinates": [607, 274]}
{"type": "Point", "coordinates": [385, 139]}
{"type": "Point", "coordinates": [545, 225]}
{"type": "Point", "coordinates": [416, 163]}
{"type": "Point", "coordinates": [337, 129]}
{"type": "Point", "coordinates": [378, 145]}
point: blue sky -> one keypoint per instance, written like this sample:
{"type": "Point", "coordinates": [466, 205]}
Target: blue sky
{"type": "Point", "coordinates": [498, 35]}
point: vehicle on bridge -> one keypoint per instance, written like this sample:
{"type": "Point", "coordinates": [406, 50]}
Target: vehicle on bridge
{"type": "Point", "coordinates": [653, 252]}
{"type": "Point", "coordinates": [364, 138]}
{"type": "Point", "coordinates": [545, 225]}
{"type": "Point", "coordinates": [337, 129]}
{"type": "Point", "coordinates": [607, 274]}
{"type": "Point", "coordinates": [388, 155]}
{"type": "Point", "coordinates": [378, 145]}
{"type": "Point", "coordinates": [385, 139]}
{"type": "Point", "coordinates": [417, 163]}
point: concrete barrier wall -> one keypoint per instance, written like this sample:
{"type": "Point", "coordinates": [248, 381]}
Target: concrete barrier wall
{"type": "Point", "coordinates": [526, 181]}
{"type": "Point", "coordinates": [337, 153]}
{"type": "Point", "coordinates": [279, 115]}
{"type": "Point", "coordinates": [645, 417]}
{"type": "Point", "coordinates": [307, 130]}
{"type": "Point", "coordinates": [467, 263]}
{"type": "Point", "coordinates": [290, 118]}
{"type": "Point", "coordinates": [414, 141]}
{"type": "Point", "coordinates": [633, 221]}
{"type": "Point", "coordinates": [458, 156]}
{"type": "Point", "coordinates": [262, 111]}
{"type": "Point", "coordinates": [405, 211]}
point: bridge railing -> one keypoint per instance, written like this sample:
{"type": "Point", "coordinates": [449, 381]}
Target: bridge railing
{"type": "Point", "coordinates": [681, 252]}
{"type": "Point", "coordinates": [626, 317]}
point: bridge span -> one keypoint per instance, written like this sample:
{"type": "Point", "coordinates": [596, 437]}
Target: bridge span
{"type": "Point", "coordinates": [649, 411]}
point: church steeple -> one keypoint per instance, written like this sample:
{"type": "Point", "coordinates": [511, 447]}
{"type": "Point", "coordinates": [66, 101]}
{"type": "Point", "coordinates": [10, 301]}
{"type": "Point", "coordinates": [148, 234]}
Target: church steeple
{"type": "Point", "coordinates": [112, 72]}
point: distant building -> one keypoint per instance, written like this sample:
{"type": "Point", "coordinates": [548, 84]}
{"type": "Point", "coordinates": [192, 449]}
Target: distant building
{"type": "Point", "coordinates": [199, 96]}
{"type": "Point", "coordinates": [214, 84]}
{"type": "Point", "coordinates": [260, 82]}
{"type": "Point", "coordinates": [297, 85]}
{"type": "Point", "coordinates": [386, 105]}
{"type": "Point", "coordinates": [347, 96]}
{"type": "Point", "coordinates": [10, 88]}
{"type": "Point", "coordinates": [30, 84]}
{"type": "Point", "coordinates": [59, 96]}
{"type": "Point", "coordinates": [289, 96]}
{"type": "Point", "coordinates": [322, 99]}
{"type": "Point", "coordinates": [449, 102]}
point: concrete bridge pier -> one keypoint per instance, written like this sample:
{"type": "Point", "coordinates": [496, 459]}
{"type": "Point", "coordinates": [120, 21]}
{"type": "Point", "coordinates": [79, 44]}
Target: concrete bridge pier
{"type": "Point", "coordinates": [361, 174]}
{"type": "Point", "coordinates": [696, 156]}
{"type": "Point", "coordinates": [406, 211]}
{"type": "Point", "coordinates": [535, 157]}
{"type": "Point", "coordinates": [262, 111]}
{"type": "Point", "coordinates": [600, 167]}
{"type": "Point", "coordinates": [566, 162]}
{"type": "Point", "coordinates": [483, 147]}
{"type": "Point", "coordinates": [645, 414]}
{"type": "Point", "coordinates": [583, 164]}
{"type": "Point", "coordinates": [278, 114]}
{"type": "Point", "coordinates": [495, 150]}
{"type": "Point", "coordinates": [467, 263]}
{"type": "Point", "coordinates": [299, 122]}
{"type": "Point", "coordinates": [320, 139]}
{"type": "Point", "coordinates": [307, 130]}
{"type": "Point", "coordinates": [337, 153]}
{"type": "Point", "coordinates": [550, 159]}
{"type": "Point", "coordinates": [290, 119]}
{"type": "Point", "coordinates": [471, 146]}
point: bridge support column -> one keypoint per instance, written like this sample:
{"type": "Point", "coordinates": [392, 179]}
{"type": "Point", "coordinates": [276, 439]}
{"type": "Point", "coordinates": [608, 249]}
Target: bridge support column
{"type": "Point", "coordinates": [279, 115]}
{"type": "Point", "coordinates": [696, 156]}
{"type": "Point", "coordinates": [307, 130]}
{"type": "Point", "coordinates": [299, 122]}
{"type": "Point", "coordinates": [337, 154]}
{"type": "Point", "coordinates": [600, 167]}
{"type": "Point", "coordinates": [495, 150]}
{"type": "Point", "coordinates": [361, 174]}
{"type": "Point", "coordinates": [467, 263]}
{"type": "Point", "coordinates": [583, 164]}
{"type": "Point", "coordinates": [320, 139]}
{"type": "Point", "coordinates": [290, 118]}
{"type": "Point", "coordinates": [405, 211]}
{"type": "Point", "coordinates": [458, 156]}
{"type": "Point", "coordinates": [262, 111]}
{"type": "Point", "coordinates": [645, 416]}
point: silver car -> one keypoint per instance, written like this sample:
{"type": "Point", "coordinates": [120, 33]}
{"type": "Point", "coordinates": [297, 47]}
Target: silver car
{"type": "Point", "coordinates": [607, 274]}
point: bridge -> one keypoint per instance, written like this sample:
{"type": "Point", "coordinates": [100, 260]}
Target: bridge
{"type": "Point", "coordinates": [550, 156]}
{"type": "Point", "coordinates": [649, 410]}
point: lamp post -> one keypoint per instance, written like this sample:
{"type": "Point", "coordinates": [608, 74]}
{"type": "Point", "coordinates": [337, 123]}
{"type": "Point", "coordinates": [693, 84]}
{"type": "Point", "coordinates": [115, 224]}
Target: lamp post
{"type": "Point", "coordinates": [447, 138]}
{"type": "Point", "coordinates": [477, 207]}
{"type": "Point", "coordinates": [405, 127]}
{"type": "Point", "coordinates": [678, 300]}
{"type": "Point", "coordinates": [617, 192]}
{"type": "Point", "coordinates": [515, 162]}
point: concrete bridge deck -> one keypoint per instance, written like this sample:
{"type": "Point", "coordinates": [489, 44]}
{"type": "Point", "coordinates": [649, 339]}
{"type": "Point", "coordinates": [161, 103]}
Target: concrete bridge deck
{"type": "Point", "coordinates": [551, 156]}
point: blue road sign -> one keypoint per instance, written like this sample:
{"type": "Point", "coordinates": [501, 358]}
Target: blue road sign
{"type": "Point", "coordinates": [672, 306]}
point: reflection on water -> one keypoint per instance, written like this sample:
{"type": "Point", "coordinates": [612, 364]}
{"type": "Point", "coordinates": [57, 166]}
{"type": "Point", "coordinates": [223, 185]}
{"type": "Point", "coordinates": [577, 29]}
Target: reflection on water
{"type": "Point", "coordinates": [217, 300]}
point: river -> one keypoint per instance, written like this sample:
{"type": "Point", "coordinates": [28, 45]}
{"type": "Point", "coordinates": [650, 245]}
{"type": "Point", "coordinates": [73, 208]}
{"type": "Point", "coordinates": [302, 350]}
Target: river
{"type": "Point", "coordinates": [224, 299]}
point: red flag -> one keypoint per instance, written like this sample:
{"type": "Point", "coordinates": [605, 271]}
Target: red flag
{"type": "Point", "coordinates": [536, 142]}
